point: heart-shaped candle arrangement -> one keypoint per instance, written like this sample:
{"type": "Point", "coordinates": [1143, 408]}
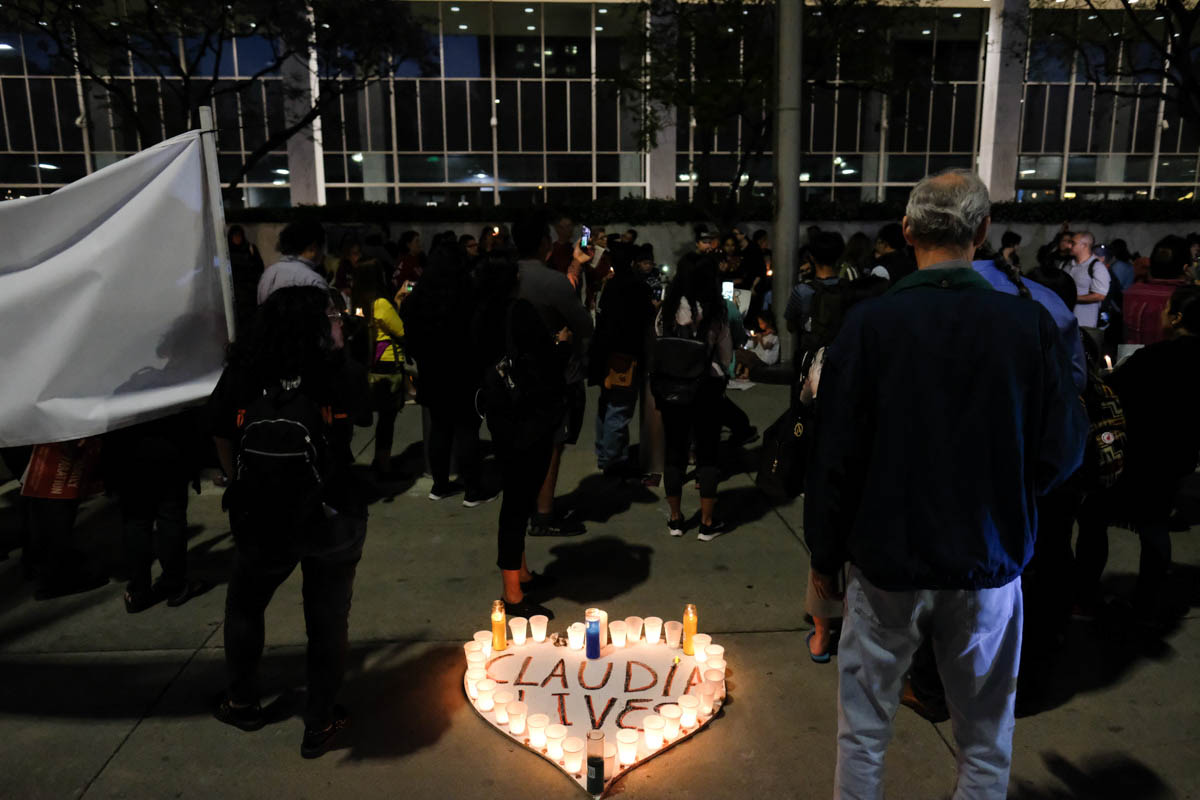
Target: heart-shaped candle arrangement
{"type": "Point", "coordinates": [600, 698]}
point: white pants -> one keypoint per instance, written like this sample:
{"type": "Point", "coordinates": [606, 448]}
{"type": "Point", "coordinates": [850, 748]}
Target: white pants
{"type": "Point", "coordinates": [977, 643]}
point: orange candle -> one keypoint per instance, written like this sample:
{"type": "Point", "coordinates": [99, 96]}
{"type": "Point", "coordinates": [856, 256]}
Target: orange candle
{"type": "Point", "coordinates": [499, 629]}
{"type": "Point", "coordinates": [690, 622]}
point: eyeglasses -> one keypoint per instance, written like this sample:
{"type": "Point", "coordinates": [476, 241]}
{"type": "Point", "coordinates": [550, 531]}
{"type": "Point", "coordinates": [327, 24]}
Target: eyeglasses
{"type": "Point", "coordinates": [334, 316]}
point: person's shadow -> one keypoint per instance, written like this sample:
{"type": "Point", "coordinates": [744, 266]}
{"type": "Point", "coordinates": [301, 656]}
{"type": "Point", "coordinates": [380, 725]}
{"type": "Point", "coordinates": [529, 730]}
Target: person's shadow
{"type": "Point", "coordinates": [1104, 776]}
{"type": "Point", "coordinates": [599, 498]}
{"type": "Point", "coordinates": [595, 570]}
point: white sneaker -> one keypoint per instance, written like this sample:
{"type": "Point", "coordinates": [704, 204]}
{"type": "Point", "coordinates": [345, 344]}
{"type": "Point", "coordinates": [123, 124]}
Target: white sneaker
{"type": "Point", "coordinates": [709, 532]}
{"type": "Point", "coordinates": [675, 526]}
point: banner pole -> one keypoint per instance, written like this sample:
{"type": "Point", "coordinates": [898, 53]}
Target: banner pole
{"type": "Point", "coordinates": [208, 141]}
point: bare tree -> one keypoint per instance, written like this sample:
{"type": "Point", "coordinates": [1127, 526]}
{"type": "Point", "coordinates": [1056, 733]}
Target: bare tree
{"type": "Point", "coordinates": [1124, 48]}
{"type": "Point", "coordinates": [184, 42]}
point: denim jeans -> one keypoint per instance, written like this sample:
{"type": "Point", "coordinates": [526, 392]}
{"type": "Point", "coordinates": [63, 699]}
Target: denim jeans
{"type": "Point", "coordinates": [327, 589]}
{"type": "Point", "coordinates": [977, 643]}
{"type": "Point", "coordinates": [612, 425]}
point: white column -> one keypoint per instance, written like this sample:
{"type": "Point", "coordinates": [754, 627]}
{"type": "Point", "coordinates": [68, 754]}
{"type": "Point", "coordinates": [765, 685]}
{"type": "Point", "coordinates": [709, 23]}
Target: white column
{"type": "Point", "coordinates": [1003, 83]}
{"type": "Point", "coordinates": [306, 166]}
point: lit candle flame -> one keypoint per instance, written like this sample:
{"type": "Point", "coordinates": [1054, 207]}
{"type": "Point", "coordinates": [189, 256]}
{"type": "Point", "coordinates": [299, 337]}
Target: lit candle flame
{"type": "Point", "coordinates": [1108, 361]}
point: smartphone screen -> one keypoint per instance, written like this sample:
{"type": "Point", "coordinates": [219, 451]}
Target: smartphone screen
{"type": "Point", "coordinates": [727, 290]}
{"type": "Point", "coordinates": [586, 239]}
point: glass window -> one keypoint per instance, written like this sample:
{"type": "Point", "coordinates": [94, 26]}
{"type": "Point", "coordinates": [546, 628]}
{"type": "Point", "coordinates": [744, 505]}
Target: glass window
{"type": "Point", "coordinates": [41, 56]}
{"type": "Point", "coordinates": [626, 168]}
{"type": "Point", "coordinates": [420, 169]}
{"type": "Point", "coordinates": [619, 192]}
{"type": "Point", "coordinates": [1056, 118]}
{"type": "Point", "coordinates": [255, 53]}
{"type": "Point", "coordinates": [457, 131]}
{"type": "Point", "coordinates": [964, 118]}
{"type": "Point", "coordinates": [268, 169]}
{"type": "Point", "coordinates": [819, 169]}
{"type": "Point", "coordinates": [431, 116]}
{"type": "Point", "coordinates": [556, 115]}
{"type": "Point", "coordinates": [848, 99]}
{"type": "Point", "coordinates": [1040, 168]}
{"type": "Point", "coordinates": [405, 99]}
{"type": "Point", "coordinates": [581, 115]}
{"type": "Point", "coordinates": [617, 37]}
{"type": "Point", "coordinates": [508, 116]}
{"type": "Point", "coordinates": [335, 168]}
{"type": "Point", "coordinates": [943, 115]}
{"type": "Point", "coordinates": [520, 197]}
{"type": "Point", "coordinates": [465, 37]}
{"type": "Point", "coordinates": [568, 196]}
{"type": "Point", "coordinates": [821, 111]}
{"type": "Point", "coordinates": [905, 168]}
{"type": "Point", "coordinates": [522, 169]}
{"type": "Point", "coordinates": [17, 169]}
{"type": "Point", "coordinates": [569, 169]}
{"type": "Point", "coordinates": [1177, 169]}
{"type": "Point", "coordinates": [10, 54]}
{"type": "Point", "coordinates": [482, 109]}
{"type": "Point", "coordinates": [274, 89]}
{"type": "Point", "coordinates": [1033, 117]}
{"type": "Point", "coordinates": [531, 115]}
{"type": "Point", "coordinates": [469, 169]}
{"type": "Point", "coordinates": [849, 169]}
{"type": "Point", "coordinates": [1174, 193]}
{"type": "Point", "coordinates": [568, 40]}
{"type": "Point", "coordinates": [45, 125]}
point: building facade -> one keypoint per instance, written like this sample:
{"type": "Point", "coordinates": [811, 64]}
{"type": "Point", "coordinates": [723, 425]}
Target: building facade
{"type": "Point", "coordinates": [520, 102]}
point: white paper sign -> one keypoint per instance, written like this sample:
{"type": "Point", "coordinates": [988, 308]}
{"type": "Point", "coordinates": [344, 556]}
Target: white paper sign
{"type": "Point", "coordinates": [612, 693]}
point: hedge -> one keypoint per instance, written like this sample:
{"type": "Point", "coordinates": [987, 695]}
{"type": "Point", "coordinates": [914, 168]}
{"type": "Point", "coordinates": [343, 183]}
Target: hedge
{"type": "Point", "coordinates": [636, 211]}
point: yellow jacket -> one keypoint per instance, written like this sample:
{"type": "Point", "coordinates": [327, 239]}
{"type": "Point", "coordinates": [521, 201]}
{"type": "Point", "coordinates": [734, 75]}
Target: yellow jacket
{"type": "Point", "coordinates": [389, 329]}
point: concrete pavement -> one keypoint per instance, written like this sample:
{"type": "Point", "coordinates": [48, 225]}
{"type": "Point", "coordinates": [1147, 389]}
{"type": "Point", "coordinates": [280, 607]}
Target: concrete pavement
{"type": "Point", "coordinates": [97, 703]}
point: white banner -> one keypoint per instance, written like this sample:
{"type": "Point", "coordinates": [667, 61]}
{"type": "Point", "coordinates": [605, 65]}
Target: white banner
{"type": "Point", "coordinates": [111, 306]}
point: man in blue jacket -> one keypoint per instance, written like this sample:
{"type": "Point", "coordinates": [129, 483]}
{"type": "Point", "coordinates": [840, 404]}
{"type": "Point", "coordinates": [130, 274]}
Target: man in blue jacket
{"type": "Point", "coordinates": [945, 409]}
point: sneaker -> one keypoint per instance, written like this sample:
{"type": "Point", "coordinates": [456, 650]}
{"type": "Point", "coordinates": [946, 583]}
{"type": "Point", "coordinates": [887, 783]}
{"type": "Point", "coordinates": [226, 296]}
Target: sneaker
{"type": "Point", "coordinates": [444, 491]}
{"type": "Point", "coordinates": [316, 742]}
{"type": "Point", "coordinates": [246, 718]}
{"type": "Point", "coordinates": [675, 526]}
{"type": "Point", "coordinates": [566, 525]}
{"type": "Point", "coordinates": [474, 499]}
{"type": "Point", "coordinates": [709, 532]}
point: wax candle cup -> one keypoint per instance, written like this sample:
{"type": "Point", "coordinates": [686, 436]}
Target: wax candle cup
{"type": "Point", "coordinates": [474, 676]}
{"type": "Point", "coordinates": [670, 715]}
{"type": "Point", "coordinates": [691, 621]}
{"type": "Point", "coordinates": [592, 633]}
{"type": "Point", "coordinates": [555, 734]}
{"type": "Point", "coordinates": [617, 629]}
{"type": "Point", "coordinates": [603, 628]}
{"type": "Point", "coordinates": [499, 627]}
{"type": "Point", "coordinates": [653, 626]}
{"type": "Point", "coordinates": [706, 698]}
{"type": "Point", "coordinates": [627, 746]}
{"type": "Point", "coordinates": [575, 635]}
{"type": "Point", "coordinates": [610, 760]}
{"type": "Point", "coordinates": [486, 688]}
{"type": "Point", "coordinates": [689, 707]}
{"type": "Point", "coordinates": [472, 647]}
{"type": "Point", "coordinates": [714, 652]}
{"type": "Point", "coordinates": [634, 632]}
{"type": "Point", "coordinates": [673, 629]}
{"type": "Point", "coordinates": [485, 642]}
{"type": "Point", "coordinates": [537, 729]}
{"type": "Point", "coordinates": [537, 627]}
{"type": "Point", "coordinates": [501, 700]}
{"type": "Point", "coordinates": [699, 642]}
{"type": "Point", "coordinates": [573, 754]}
{"type": "Point", "coordinates": [652, 731]}
{"type": "Point", "coordinates": [476, 659]}
{"type": "Point", "coordinates": [715, 679]}
{"type": "Point", "coordinates": [516, 717]}
{"type": "Point", "coordinates": [717, 664]}
{"type": "Point", "coordinates": [518, 626]}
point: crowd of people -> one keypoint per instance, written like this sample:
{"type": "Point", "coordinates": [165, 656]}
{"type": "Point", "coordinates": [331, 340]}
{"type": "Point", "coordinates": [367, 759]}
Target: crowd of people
{"type": "Point", "coordinates": [962, 417]}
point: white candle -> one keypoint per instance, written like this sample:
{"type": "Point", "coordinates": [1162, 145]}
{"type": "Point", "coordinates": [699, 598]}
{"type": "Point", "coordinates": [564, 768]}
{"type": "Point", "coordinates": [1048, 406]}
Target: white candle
{"type": "Point", "coordinates": [713, 651]}
{"type": "Point", "coordinates": [575, 634]}
{"type": "Point", "coordinates": [717, 664]}
{"type": "Point", "coordinates": [699, 642]}
{"type": "Point", "coordinates": [537, 730]}
{"type": "Point", "coordinates": [617, 629]}
{"type": "Point", "coordinates": [476, 659]}
{"type": "Point", "coordinates": [573, 754]}
{"type": "Point", "coordinates": [537, 627]}
{"type": "Point", "coordinates": [670, 715]}
{"type": "Point", "coordinates": [471, 647]}
{"type": "Point", "coordinates": [474, 676]}
{"type": "Point", "coordinates": [610, 761]}
{"type": "Point", "coordinates": [715, 679]}
{"type": "Point", "coordinates": [689, 706]}
{"type": "Point", "coordinates": [634, 629]}
{"type": "Point", "coordinates": [501, 700]}
{"type": "Point", "coordinates": [486, 688]}
{"type": "Point", "coordinates": [674, 630]}
{"type": "Point", "coordinates": [485, 642]}
{"type": "Point", "coordinates": [627, 740]}
{"type": "Point", "coordinates": [706, 698]}
{"type": "Point", "coordinates": [603, 629]}
{"type": "Point", "coordinates": [652, 730]}
{"type": "Point", "coordinates": [554, 738]}
{"type": "Point", "coordinates": [653, 629]}
{"type": "Point", "coordinates": [518, 625]}
{"type": "Point", "coordinates": [516, 717]}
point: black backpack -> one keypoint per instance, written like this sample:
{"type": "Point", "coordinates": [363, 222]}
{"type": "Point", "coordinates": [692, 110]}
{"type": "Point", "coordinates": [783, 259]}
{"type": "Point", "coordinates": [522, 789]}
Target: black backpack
{"type": "Point", "coordinates": [680, 360]}
{"type": "Point", "coordinates": [281, 463]}
{"type": "Point", "coordinates": [1112, 320]}
{"type": "Point", "coordinates": [1104, 455]}
{"type": "Point", "coordinates": [519, 393]}
{"type": "Point", "coordinates": [830, 303]}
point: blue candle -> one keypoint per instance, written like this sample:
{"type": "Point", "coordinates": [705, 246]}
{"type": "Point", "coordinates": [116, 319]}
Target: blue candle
{"type": "Point", "coordinates": [593, 635]}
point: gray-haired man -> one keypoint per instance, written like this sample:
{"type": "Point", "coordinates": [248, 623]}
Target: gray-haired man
{"type": "Point", "coordinates": [945, 409]}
